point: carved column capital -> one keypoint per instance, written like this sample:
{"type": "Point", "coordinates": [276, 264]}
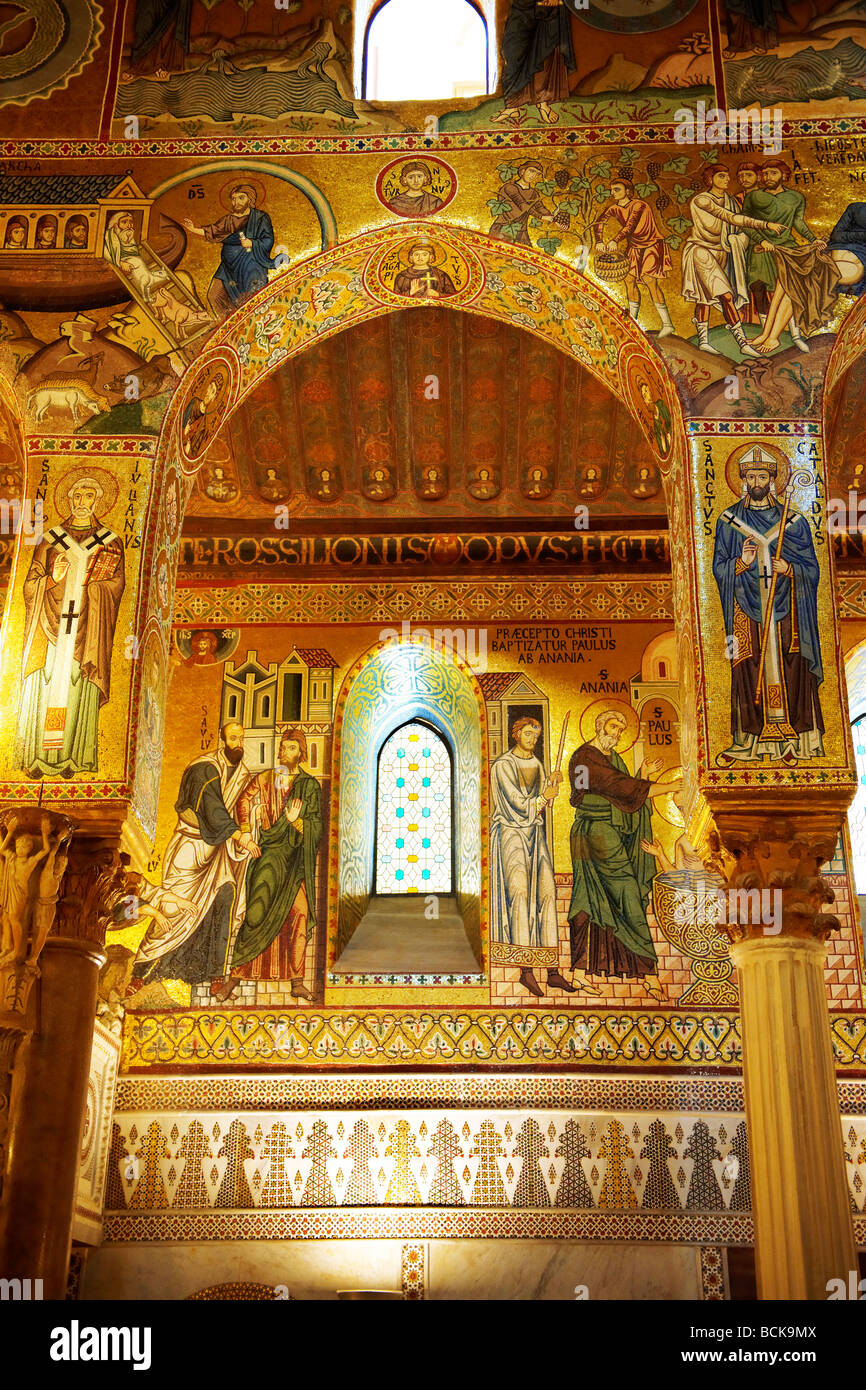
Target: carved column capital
{"type": "Point", "coordinates": [775, 885]}
{"type": "Point", "coordinates": [94, 890]}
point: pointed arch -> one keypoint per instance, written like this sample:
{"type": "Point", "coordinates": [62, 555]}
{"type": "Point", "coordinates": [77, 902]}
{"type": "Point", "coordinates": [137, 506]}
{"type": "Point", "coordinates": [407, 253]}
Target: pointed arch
{"type": "Point", "coordinates": [355, 281]}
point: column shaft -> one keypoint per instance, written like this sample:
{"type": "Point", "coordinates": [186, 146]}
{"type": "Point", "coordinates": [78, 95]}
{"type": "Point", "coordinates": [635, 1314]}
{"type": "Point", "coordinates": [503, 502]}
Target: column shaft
{"type": "Point", "coordinates": [802, 1211]}
{"type": "Point", "coordinates": [48, 1113]}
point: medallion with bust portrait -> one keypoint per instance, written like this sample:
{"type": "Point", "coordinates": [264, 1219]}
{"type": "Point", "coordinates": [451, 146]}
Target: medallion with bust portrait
{"type": "Point", "coordinates": [205, 646]}
{"type": "Point", "coordinates": [424, 269]}
{"type": "Point", "coordinates": [207, 402]}
{"type": "Point", "coordinates": [417, 187]}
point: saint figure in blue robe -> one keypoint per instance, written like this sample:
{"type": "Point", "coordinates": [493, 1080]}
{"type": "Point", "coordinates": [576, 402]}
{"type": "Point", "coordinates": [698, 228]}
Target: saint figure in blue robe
{"type": "Point", "coordinates": [775, 707]}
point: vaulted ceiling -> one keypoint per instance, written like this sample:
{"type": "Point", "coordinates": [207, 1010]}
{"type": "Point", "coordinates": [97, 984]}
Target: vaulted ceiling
{"type": "Point", "coordinates": [429, 413]}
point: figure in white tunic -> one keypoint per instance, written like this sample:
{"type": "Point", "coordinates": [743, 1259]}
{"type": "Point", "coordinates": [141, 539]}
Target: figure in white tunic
{"type": "Point", "coordinates": [522, 886]}
{"type": "Point", "coordinates": [201, 900]}
{"type": "Point", "coordinates": [72, 597]}
{"type": "Point", "coordinates": [714, 258]}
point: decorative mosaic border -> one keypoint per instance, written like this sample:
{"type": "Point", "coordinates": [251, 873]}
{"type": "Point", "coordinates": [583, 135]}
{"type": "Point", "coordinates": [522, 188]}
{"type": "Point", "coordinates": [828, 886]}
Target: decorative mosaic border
{"type": "Point", "coordinates": [565, 1159]}
{"type": "Point", "coordinates": [714, 1274]}
{"type": "Point", "coordinates": [428, 1223]}
{"type": "Point", "coordinates": [306, 1091]}
{"type": "Point", "coordinates": [413, 1271]}
{"type": "Point", "coordinates": [471, 601]}
{"type": "Point", "coordinates": [338, 1038]}
{"type": "Point", "coordinates": [722, 426]}
{"type": "Point", "coordinates": [418, 981]}
{"type": "Point", "coordinates": [402, 142]}
{"type": "Point", "coordinates": [90, 444]}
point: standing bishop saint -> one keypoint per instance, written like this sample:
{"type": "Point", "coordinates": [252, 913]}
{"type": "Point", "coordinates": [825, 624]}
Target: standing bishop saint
{"type": "Point", "coordinates": [775, 709]}
{"type": "Point", "coordinates": [72, 595]}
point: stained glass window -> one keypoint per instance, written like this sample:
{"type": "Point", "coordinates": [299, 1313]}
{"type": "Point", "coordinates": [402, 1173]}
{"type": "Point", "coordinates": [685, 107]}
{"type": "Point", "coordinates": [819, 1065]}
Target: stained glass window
{"type": "Point", "coordinates": [857, 813]}
{"type": "Point", "coordinates": [413, 812]}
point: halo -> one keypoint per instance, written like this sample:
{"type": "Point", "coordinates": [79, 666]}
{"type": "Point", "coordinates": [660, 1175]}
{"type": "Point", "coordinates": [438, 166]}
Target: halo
{"type": "Point", "coordinates": [219, 370]}
{"type": "Point", "coordinates": [66, 482]}
{"type": "Point", "coordinates": [439, 254]}
{"type": "Point", "coordinates": [639, 380]}
{"type": "Point", "coordinates": [434, 164]}
{"type": "Point", "coordinates": [613, 706]}
{"type": "Point", "coordinates": [732, 465]}
{"type": "Point", "coordinates": [242, 177]}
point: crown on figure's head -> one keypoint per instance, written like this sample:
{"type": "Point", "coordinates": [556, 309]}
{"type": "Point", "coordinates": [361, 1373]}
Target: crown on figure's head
{"type": "Point", "coordinates": [758, 458]}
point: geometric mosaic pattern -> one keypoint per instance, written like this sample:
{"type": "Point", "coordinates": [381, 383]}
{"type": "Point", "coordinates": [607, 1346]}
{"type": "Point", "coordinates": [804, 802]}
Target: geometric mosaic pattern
{"type": "Point", "coordinates": [413, 1271]}
{"type": "Point", "coordinates": [533, 1160]}
{"type": "Point", "coordinates": [436, 1223]}
{"type": "Point", "coordinates": [309, 1090]}
{"type": "Point", "coordinates": [713, 1274]}
{"type": "Point", "coordinates": [439, 1174]}
{"type": "Point", "coordinates": [413, 819]}
{"type": "Point", "coordinates": [470, 600]}
{"type": "Point", "coordinates": [589, 1160]}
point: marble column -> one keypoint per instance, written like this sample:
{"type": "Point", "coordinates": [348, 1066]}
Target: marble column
{"type": "Point", "coordinates": [800, 1202]}
{"type": "Point", "coordinates": [51, 1076]}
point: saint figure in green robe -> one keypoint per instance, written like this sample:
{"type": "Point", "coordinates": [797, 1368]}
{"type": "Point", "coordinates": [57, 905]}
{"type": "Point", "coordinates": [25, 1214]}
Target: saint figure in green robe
{"type": "Point", "coordinates": [282, 810]}
{"type": "Point", "coordinates": [612, 872]}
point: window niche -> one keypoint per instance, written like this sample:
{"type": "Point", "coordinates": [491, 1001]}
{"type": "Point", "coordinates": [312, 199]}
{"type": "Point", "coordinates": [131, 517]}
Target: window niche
{"type": "Point", "coordinates": [451, 60]}
{"type": "Point", "coordinates": [401, 689]}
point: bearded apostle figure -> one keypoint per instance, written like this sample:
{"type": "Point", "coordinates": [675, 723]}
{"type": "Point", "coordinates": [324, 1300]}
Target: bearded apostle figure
{"type": "Point", "coordinates": [281, 810]}
{"type": "Point", "coordinates": [195, 908]}
{"type": "Point", "coordinates": [246, 239]}
{"type": "Point", "coordinates": [775, 658]}
{"type": "Point", "coordinates": [522, 886]}
{"type": "Point", "coordinates": [613, 873]}
{"type": "Point", "coordinates": [72, 596]}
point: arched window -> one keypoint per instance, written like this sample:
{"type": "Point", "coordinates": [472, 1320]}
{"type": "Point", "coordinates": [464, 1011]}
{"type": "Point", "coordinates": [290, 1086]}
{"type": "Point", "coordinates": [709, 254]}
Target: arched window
{"type": "Point", "coordinates": [417, 51]}
{"type": "Point", "coordinates": [414, 793]}
{"type": "Point", "coordinates": [857, 811]}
